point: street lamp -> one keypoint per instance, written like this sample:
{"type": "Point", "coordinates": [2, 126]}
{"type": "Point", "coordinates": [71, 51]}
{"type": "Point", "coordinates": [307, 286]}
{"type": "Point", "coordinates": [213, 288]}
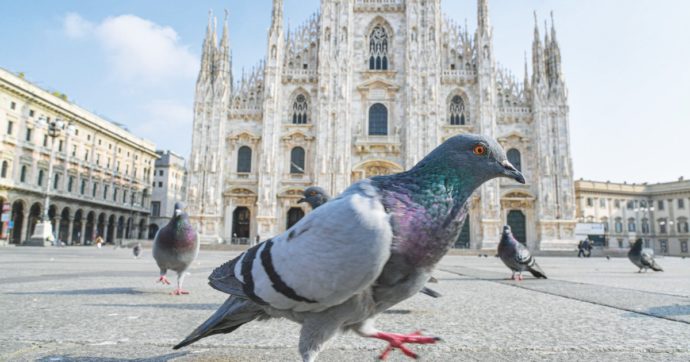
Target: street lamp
{"type": "Point", "coordinates": [43, 233]}
{"type": "Point", "coordinates": [647, 209]}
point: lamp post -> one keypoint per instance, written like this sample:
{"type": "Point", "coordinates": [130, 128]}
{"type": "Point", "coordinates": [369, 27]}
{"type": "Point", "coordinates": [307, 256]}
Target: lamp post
{"type": "Point", "coordinates": [43, 233]}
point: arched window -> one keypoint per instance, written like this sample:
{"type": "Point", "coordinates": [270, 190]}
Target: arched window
{"type": "Point", "coordinates": [22, 175]}
{"type": "Point", "coordinates": [682, 225]}
{"type": "Point", "coordinates": [300, 109]}
{"type": "Point", "coordinates": [40, 178]}
{"type": "Point", "coordinates": [5, 166]}
{"type": "Point", "coordinates": [244, 159]}
{"type": "Point", "coordinates": [631, 225]}
{"type": "Point", "coordinates": [515, 158]}
{"type": "Point", "coordinates": [297, 160]}
{"type": "Point", "coordinates": [378, 120]}
{"type": "Point", "coordinates": [645, 226]}
{"type": "Point", "coordinates": [294, 215]}
{"type": "Point", "coordinates": [662, 226]}
{"type": "Point", "coordinates": [619, 225]}
{"type": "Point", "coordinates": [456, 111]}
{"type": "Point", "coordinates": [378, 49]}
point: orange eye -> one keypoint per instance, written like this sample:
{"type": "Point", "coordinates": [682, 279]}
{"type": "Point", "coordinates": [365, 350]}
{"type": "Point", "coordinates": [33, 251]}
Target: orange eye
{"type": "Point", "coordinates": [479, 150]}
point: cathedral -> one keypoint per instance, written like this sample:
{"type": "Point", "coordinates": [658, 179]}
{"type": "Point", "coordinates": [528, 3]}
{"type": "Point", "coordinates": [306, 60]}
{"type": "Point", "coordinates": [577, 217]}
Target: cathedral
{"type": "Point", "coordinates": [369, 87]}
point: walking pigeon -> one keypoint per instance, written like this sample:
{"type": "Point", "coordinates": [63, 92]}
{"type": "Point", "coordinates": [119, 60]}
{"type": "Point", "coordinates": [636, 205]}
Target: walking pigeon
{"type": "Point", "coordinates": [136, 250]}
{"type": "Point", "coordinates": [315, 196]}
{"type": "Point", "coordinates": [516, 256]}
{"type": "Point", "coordinates": [361, 253]}
{"type": "Point", "coordinates": [643, 258]}
{"type": "Point", "coordinates": [175, 247]}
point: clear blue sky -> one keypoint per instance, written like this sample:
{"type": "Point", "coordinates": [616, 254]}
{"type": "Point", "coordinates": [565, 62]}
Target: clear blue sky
{"type": "Point", "coordinates": [626, 63]}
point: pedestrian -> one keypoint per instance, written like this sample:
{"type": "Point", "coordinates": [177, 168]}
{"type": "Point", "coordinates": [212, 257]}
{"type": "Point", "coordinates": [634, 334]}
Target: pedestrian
{"type": "Point", "coordinates": [580, 249]}
{"type": "Point", "coordinates": [588, 247]}
{"type": "Point", "coordinates": [99, 241]}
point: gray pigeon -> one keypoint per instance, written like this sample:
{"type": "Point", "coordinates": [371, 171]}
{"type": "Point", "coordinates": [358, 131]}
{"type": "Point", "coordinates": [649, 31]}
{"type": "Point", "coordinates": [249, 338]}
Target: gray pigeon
{"type": "Point", "coordinates": [136, 250]}
{"type": "Point", "coordinates": [361, 253]}
{"type": "Point", "coordinates": [643, 258]}
{"type": "Point", "coordinates": [516, 256]}
{"type": "Point", "coordinates": [175, 247]}
{"type": "Point", "coordinates": [316, 196]}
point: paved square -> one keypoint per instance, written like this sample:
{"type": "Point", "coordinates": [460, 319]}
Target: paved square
{"type": "Point", "coordinates": [89, 304]}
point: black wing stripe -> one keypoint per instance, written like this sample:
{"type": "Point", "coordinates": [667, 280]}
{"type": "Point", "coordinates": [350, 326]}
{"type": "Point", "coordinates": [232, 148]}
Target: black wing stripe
{"type": "Point", "coordinates": [278, 283]}
{"type": "Point", "coordinates": [248, 285]}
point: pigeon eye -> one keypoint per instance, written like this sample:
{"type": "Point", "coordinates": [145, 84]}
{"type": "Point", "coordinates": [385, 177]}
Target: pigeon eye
{"type": "Point", "coordinates": [479, 150]}
{"type": "Point", "coordinates": [313, 193]}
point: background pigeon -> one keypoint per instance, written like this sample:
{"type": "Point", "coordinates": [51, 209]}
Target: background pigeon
{"type": "Point", "coordinates": [361, 253]}
{"type": "Point", "coordinates": [175, 247]}
{"type": "Point", "coordinates": [317, 196]}
{"type": "Point", "coordinates": [643, 258]}
{"type": "Point", "coordinates": [516, 256]}
{"type": "Point", "coordinates": [136, 250]}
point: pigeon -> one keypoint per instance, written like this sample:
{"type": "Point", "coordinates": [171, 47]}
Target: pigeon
{"type": "Point", "coordinates": [517, 257]}
{"type": "Point", "coordinates": [643, 258]}
{"type": "Point", "coordinates": [136, 250]}
{"type": "Point", "coordinates": [175, 247]}
{"type": "Point", "coordinates": [316, 196]}
{"type": "Point", "coordinates": [358, 255]}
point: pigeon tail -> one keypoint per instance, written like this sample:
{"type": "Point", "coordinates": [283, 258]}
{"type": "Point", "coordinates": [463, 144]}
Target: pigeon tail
{"type": "Point", "coordinates": [230, 316]}
{"type": "Point", "coordinates": [536, 271]}
{"type": "Point", "coordinates": [656, 267]}
{"type": "Point", "coordinates": [430, 292]}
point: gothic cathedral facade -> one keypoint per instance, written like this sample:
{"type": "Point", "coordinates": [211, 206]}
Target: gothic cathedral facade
{"type": "Point", "coordinates": [366, 88]}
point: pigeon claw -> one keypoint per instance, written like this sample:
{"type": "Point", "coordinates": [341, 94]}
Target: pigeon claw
{"type": "Point", "coordinates": [398, 341]}
{"type": "Point", "coordinates": [179, 291]}
{"type": "Point", "coordinates": [163, 280]}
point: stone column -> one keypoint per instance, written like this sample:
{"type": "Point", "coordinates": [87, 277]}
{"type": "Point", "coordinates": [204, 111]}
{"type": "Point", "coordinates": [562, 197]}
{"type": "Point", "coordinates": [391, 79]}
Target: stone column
{"type": "Point", "coordinates": [56, 228]}
{"type": "Point", "coordinates": [70, 229]}
{"type": "Point", "coordinates": [82, 231]}
{"type": "Point", "coordinates": [25, 227]}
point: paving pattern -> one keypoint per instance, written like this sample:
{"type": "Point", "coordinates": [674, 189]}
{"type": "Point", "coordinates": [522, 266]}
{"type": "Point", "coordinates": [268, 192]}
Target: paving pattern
{"type": "Point", "coordinates": [89, 304]}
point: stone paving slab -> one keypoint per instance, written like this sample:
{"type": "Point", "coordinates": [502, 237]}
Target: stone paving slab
{"type": "Point", "coordinates": [88, 304]}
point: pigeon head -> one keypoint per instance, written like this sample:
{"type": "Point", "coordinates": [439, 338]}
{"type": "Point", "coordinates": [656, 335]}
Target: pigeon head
{"type": "Point", "coordinates": [315, 196]}
{"type": "Point", "coordinates": [506, 229]}
{"type": "Point", "coordinates": [179, 209]}
{"type": "Point", "coordinates": [474, 158]}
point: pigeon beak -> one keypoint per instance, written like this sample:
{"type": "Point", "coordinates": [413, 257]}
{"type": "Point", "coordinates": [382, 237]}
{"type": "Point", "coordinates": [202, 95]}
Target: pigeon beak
{"type": "Point", "coordinates": [178, 212]}
{"type": "Point", "coordinates": [510, 171]}
{"type": "Point", "coordinates": [302, 200]}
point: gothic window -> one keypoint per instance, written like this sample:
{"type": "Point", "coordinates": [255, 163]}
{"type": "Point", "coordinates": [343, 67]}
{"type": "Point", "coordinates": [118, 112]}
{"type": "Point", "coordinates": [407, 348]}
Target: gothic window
{"type": "Point", "coordinates": [244, 159]}
{"type": "Point", "coordinates": [378, 49]}
{"type": "Point", "coordinates": [456, 110]}
{"type": "Point", "coordinates": [515, 158]}
{"type": "Point", "coordinates": [297, 160]}
{"type": "Point", "coordinates": [378, 120]}
{"type": "Point", "coordinates": [299, 110]}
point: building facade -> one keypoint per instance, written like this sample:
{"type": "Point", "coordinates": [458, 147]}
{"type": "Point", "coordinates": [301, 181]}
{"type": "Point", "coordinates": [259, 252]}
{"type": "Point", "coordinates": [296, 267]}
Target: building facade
{"type": "Point", "coordinates": [101, 172]}
{"type": "Point", "coordinates": [168, 187]}
{"type": "Point", "coordinates": [657, 213]}
{"type": "Point", "coordinates": [367, 88]}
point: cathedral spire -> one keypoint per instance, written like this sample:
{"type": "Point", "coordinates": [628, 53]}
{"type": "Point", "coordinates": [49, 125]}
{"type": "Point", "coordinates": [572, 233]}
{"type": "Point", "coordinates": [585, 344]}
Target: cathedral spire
{"type": "Point", "coordinates": [537, 55]}
{"type": "Point", "coordinates": [483, 25]}
{"type": "Point", "coordinates": [207, 52]}
{"type": "Point", "coordinates": [526, 79]}
{"type": "Point", "coordinates": [277, 15]}
{"type": "Point", "coordinates": [224, 62]}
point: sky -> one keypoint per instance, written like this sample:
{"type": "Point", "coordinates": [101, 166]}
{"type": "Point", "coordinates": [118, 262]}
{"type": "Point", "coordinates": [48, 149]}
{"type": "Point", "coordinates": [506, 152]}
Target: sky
{"type": "Point", "coordinates": [626, 64]}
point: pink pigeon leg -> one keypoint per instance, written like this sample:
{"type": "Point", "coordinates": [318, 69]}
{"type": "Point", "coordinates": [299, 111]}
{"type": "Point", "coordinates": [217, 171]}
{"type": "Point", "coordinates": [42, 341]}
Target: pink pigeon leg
{"type": "Point", "coordinates": [163, 280]}
{"type": "Point", "coordinates": [396, 340]}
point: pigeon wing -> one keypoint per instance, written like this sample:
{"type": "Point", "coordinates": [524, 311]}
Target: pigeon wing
{"type": "Point", "coordinates": [334, 252]}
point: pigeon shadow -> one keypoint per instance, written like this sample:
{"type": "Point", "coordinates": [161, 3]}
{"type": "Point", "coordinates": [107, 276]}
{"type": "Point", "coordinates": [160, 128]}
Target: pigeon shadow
{"type": "Point", "coordinates": [669, 310]}
{"type": "Point", "coordinates": [398, 311]}
{"type": "Point", "coordinates": [67, 358]}
{"type": "Point", "coordinates": [98, 291]}
{"type": "Point", "coordinates": [187, 306]}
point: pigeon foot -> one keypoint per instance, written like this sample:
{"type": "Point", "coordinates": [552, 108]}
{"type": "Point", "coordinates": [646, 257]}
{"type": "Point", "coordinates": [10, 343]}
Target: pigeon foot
{"type": "Point", "coordinates": [179, 291]}
{"type": "Point", "coordinates": [396, 340]}
{"type": "Point", "coordinates": [163, 280]}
